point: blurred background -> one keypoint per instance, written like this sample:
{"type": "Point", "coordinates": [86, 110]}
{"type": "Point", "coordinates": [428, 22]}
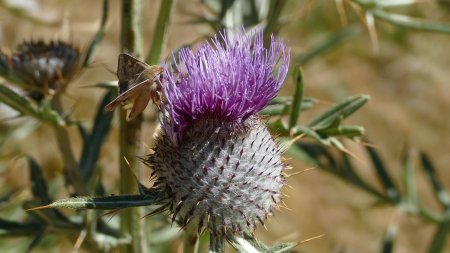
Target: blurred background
{"type": "Point", "coordinates": [342, 52]}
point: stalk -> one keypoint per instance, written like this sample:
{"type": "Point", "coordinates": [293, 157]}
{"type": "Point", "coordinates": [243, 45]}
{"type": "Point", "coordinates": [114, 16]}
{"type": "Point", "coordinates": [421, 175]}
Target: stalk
{"type": "Point", "coordinates": [130, 133]}
{"type": "Point", "coordinates": [65, 147]}
{"type": "Point", "coordinates": [160, 34]}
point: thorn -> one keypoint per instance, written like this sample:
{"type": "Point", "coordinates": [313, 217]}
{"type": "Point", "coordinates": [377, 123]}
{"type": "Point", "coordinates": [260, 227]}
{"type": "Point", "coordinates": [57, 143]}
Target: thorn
{"type": "Point", "coordinates": [347, 151]}
{"type": "Point", "coordinates": [301, 172]}
{"type": "Point", "coordinates": [291, 142]}
{"type": "Point", "coordinates": [38, 208]}
{"type": "Point", "coordinates": [312, 238]}
{"type": "Point", "coordinates": [112, 213]}
{"type": "Point", "coordinates": [285, 206]}
{"type": "Point", "coordinates": [156, 211]}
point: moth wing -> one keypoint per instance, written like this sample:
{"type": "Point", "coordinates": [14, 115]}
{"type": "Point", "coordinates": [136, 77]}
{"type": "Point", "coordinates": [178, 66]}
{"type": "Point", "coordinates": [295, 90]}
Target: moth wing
{"type": "Point", "coordinates": [139, 105]}
{"type": "Point", "coordinates": [133, 91]}
{"type": "Point", "coordinates": [128, 67]}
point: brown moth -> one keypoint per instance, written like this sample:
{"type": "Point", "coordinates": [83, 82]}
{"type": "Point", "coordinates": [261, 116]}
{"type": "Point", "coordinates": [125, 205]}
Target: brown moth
{"type": "Point", "coordinates": [137, 83]}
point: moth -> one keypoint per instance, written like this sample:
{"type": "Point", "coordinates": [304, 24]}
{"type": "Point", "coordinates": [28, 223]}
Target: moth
{"type": "Point", "coordinates": [137, 84]}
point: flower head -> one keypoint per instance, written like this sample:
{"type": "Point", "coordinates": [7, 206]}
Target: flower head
{"type": "Point", "coordinates": [216, 161]}
{"type": "Point", "coordinates": [42, 68]}
{"type": "Point", "coordinates": [228, 80]}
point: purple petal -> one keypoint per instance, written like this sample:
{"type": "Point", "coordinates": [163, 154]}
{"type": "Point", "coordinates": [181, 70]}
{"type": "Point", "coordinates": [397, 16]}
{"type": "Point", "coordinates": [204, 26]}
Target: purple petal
{"type": "Point", "coordinates": [229, 81]}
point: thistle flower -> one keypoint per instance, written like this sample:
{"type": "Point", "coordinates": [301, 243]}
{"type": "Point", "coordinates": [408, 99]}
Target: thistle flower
{"type": "Point", "coordinates": [42, 68]}
{"type": "Point", "coordinates": [214, 158]}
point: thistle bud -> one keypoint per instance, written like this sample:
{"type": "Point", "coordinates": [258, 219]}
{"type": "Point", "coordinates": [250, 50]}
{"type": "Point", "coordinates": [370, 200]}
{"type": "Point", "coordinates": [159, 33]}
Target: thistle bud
{"type": "Point", "coordinates": [214, 157]}
{"type": "Point", "coordinates": [42, 68]}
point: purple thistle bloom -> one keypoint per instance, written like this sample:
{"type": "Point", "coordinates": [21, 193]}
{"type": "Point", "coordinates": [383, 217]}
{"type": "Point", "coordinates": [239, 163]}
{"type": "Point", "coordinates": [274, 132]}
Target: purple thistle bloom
{"type": "Point", "coordinates": [215, 160]}
{"type": "Point", "coordinates": [228, 81]}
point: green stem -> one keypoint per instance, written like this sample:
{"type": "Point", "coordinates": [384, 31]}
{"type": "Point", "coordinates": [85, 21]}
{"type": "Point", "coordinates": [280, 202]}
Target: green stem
{"type": "Point", "coordinates": [159, 35]}
{"type": "Point", "coordinates": [130, 133]}
{"type": "Point", "coordinates": [65, 147]}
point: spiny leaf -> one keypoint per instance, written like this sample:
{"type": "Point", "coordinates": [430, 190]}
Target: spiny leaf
{"type": "Point", "coordinates": [389, 238]}
{"type": "Point", "coordinates": [249, 244]}
{"type": "Point", "coordinates": [38, 183]}
{"type": "Point", "coordinates": [346, 131]}
{"type": "Point", "coordinates": [383, 175]}
{"type": "Point", "coordinates": [273, 18]}
{"type": "Point", "coordinates": [440, 238]}
{"type": "Point", "coordinates": [411, 23]}
{"type": "Point", "coordinates": [318, 155]}
{"type": "Point", "coordinates": [281, 106]}
{"type": "Point", "coordinates": [12, 228]}
{"type": "Point", "coordinates": [275, 110]}
{"type": "Point", "coordinates": [329, 43]}
{"type": "Point", "coordinates": [37, 238]}
{"type": "Point", "coordinates": [297, 98]}
{"type": "Point", "coordinates": [92, 145]}
{"type": "Point", "coordinates": [430, 171]}
{"type": "Point", "coordinates": [98, 36]}
{"type": "Point", "coordinates": [283, 247]}
{"type": "Point", "coordinates": [40, 191]}
{"type": "Point", "coordinates": [411, 195]}
{"type": "Point", "coordinates": [104, 203]}
{"type": "Point", "coordinates": [26, 107]}
{"type": "Point", "coordinates": [296, 131]}
{"type": "Point", "coordinates": [338, 112]}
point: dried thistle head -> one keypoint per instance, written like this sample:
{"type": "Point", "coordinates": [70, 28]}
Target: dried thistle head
{"type": "Point", "coordinates": [42, 68]}
{"type": "Point", "coordinates": [220, 167]}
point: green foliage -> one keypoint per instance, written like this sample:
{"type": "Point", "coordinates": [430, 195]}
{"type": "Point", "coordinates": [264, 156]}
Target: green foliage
{"type": "Point", "coordinates": [26, 107]}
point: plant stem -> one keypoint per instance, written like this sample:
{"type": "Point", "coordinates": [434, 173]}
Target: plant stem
{"type": "Point", "coordinates": [130, 133]}
{"type": "Point", "coordinates": [64, 145]}
{"type": "Point", "coordinates": [159, 34]}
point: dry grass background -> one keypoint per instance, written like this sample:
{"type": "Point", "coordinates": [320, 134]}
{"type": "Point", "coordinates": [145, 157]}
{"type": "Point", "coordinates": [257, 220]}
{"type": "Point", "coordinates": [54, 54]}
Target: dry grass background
{"type": "Point", "coordinates": [408, 81]}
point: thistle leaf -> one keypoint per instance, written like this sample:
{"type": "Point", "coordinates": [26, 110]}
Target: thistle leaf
{"type": "Point", "coordinates": [384, 177]}
{"type": "Point", "coordinates": [411, 195]}
{"type": "Point", "coordinates": [249, 244]}
{"type": "Point", "coordinates": [26, 107]}
{"type": "Point", "coordinates": [98, 36]}
{"type": "Point", "coordinates": [37, 238]}
{"type": "Point", "coordinates": [12, 228]}
{"type": "Point", "coordinates": [442, 196]}
{"type": "Point", "coordinates": [389, 238]}
{"type": "Point", "coordinates": [440, 238]}
{"type": "Point", "coordinates": [105, 203]}
{"type": "Point", "coordinates": [297, 98]}
{"type": "Point", "coordinates": [338, 112]}
{"type": "Point", "coordinates": [346, 131]}
{"type": "Point", "coordinates": [94, 141]}
{"type": "Point", "coordinates": [38, 183]}
{"type": "Point", "coordinates": [329, 43]}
